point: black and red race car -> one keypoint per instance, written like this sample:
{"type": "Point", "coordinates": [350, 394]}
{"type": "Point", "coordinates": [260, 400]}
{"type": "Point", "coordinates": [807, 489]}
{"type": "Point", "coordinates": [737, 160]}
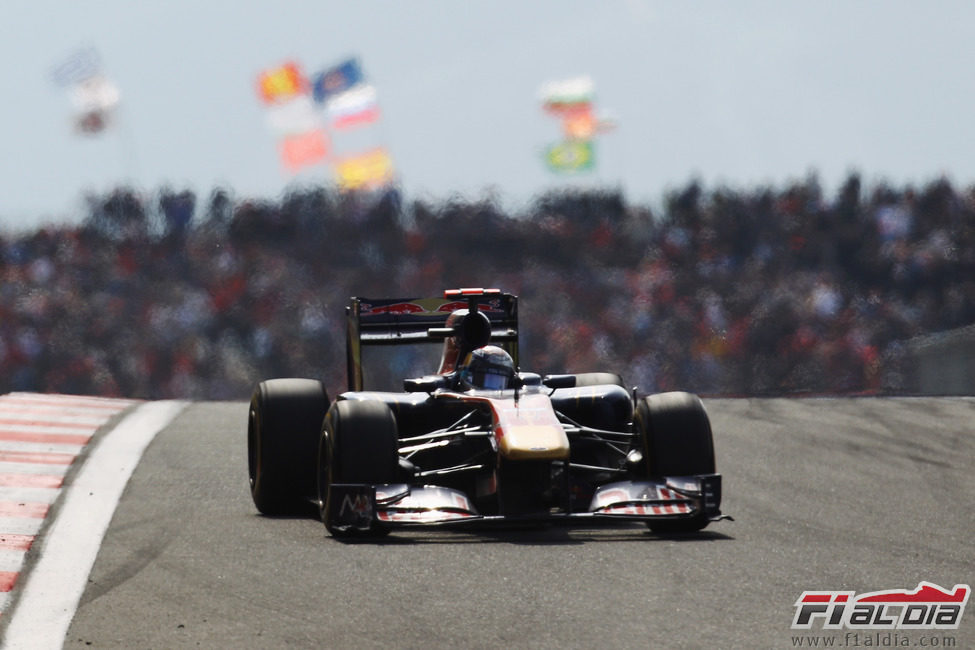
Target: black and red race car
{"type": "Point", "coordinates": [478, 442]}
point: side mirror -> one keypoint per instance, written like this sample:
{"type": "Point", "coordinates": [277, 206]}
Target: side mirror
{"type": "Point", "coordinates": [528, 379]}
{"type": "Point", "coordinates": [424, 384]}
{"type": "Point", "coordinates": [559, 381]}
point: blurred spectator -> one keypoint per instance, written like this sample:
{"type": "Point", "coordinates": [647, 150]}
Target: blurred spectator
{"type": "Point", "coordinates": [725, 292]}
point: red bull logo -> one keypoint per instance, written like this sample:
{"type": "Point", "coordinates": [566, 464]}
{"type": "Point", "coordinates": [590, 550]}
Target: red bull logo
{"type": "Point", "coordinates": [396, 308]}
{"type": "Point", "coordinates": [491, 306]}
{"type": "Point", "coordinates": [410, 307]}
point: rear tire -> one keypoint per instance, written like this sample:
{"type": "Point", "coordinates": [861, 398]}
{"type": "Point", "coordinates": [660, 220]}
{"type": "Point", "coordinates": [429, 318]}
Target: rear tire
{"type": "Point", "coordinates": [283, 425]}
{"type": "Point", "coordinates": [676, 437]}
{"type": "Point", "coordinates": [359, 444]}
{"type": "Point", "coordinates": [598, 379]}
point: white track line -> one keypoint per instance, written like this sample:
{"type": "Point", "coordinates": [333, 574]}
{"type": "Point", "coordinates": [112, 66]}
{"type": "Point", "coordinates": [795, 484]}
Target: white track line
{"type": "Point", "coordinates": [54, 585]}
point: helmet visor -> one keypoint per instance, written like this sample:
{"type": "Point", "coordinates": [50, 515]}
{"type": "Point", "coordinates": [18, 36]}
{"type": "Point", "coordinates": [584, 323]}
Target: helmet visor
{"type": "Point", "coordinates": [491, 379]}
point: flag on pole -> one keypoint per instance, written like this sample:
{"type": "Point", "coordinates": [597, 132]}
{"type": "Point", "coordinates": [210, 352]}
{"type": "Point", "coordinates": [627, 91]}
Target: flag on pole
{"type": "Point", "coordinates": [281, 84]}
{"type": "Point", "coordinates": [93, 97]}
{"type": "Point", "coordinates": [306, 115]}
{"type": "Point", "coordinates": [568, 96]}
{"type": "Point", "coordinates": [304, 149]}
{"type": "Point", "coordinates": [571, 156]}
{"type": "Point", "coordinates": [292, 117]}
{"type": "Point", "coordinates": [94, 93]}
{"type": "Point", "coordinates": [571, 102]}
{"type": "Point", "coordinates": [369, 170]}
{"type": "Point", "coordinates": [336, 80]}
{"type": "Point", "coordinates": [579, 125]}
{"type": "Point", "coordinates": [78, 66]}
{"type": "Point", "coordinates": [94, 100]}
{"type": "Point", "coordinates": [295, 116]}
{"type": "Point", "coordinates": [353, 107]}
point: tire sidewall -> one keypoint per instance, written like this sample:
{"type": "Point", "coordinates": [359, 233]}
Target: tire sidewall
{"type": "Point", "coordinates": [284, 420]}
{"type": "Point", "coordinates": [675, 435]}
{"type": "Point", "coordinates": [358, 444]}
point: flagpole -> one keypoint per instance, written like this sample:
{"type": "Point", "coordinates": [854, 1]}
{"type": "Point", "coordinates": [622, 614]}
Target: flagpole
{"type": "Point", "coordinates": [128, 154]}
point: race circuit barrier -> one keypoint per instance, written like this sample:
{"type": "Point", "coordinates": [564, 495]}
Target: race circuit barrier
{"type": "Point", "coordinates": [942, 363]}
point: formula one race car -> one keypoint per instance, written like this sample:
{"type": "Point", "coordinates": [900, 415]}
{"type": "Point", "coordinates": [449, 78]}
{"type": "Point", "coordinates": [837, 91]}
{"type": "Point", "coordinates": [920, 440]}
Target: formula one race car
{"type": "Point", "coordinates": [478, 442]}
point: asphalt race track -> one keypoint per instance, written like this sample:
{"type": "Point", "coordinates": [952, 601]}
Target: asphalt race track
{"type": "Point", "coordinates": [827, 494]}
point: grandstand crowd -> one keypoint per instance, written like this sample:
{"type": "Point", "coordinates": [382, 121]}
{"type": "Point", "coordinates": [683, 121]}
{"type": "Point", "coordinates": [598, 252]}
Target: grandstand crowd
{"type": "Point", "coordinates": [720, 292]}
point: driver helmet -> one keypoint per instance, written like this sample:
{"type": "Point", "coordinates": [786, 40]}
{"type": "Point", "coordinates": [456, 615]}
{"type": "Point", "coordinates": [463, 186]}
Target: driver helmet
{"type": "Point", "coordinates": [490, 368]}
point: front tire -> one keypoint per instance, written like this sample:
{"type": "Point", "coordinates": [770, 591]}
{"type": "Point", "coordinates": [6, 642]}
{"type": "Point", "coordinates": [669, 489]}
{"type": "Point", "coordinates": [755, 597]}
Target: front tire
{"type": "Point", "coordinates": [360, 445]}
{"type": "Point", "coordinates": [283, 425]}
{"type": "Point", "coordinates": [676, 438]}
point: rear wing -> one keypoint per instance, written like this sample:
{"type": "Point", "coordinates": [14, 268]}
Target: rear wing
{"type": "Point", "coordinates": [402, 321]}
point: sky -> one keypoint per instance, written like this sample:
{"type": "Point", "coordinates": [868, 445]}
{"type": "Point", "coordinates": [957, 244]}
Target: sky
{"type": "Point", "coordinates": [732, 94]}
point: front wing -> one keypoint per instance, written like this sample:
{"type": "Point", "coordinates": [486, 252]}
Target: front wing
{"type": "Point", "coordinates": [361, 507]}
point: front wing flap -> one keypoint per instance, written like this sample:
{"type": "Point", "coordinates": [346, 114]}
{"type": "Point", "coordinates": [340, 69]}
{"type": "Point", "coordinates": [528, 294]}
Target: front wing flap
{"type": "Point", "coordinates": [675, 498]}
{"type": "Point", "coordinates": [360, 507]}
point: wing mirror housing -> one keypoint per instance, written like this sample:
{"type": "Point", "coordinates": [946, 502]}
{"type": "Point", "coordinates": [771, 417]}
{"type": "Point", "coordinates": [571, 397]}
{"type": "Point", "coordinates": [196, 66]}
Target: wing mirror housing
{"type": "Point", "coordinates": [424, 384]}
{"type": "Point", "coordinates": [559, 381]}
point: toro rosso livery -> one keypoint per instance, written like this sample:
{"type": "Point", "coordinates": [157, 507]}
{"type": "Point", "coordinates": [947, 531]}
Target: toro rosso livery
{"type": "Point", "coordinates": [478, 442]}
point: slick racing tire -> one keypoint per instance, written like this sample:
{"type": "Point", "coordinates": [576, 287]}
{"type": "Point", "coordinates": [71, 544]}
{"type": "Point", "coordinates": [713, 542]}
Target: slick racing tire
{"type": "Point", "coordinates": [359, 445]}
{"type": "Point", "coordinates": [283, 426]}
{"type": "Point", "coordinates": [676, 439]}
